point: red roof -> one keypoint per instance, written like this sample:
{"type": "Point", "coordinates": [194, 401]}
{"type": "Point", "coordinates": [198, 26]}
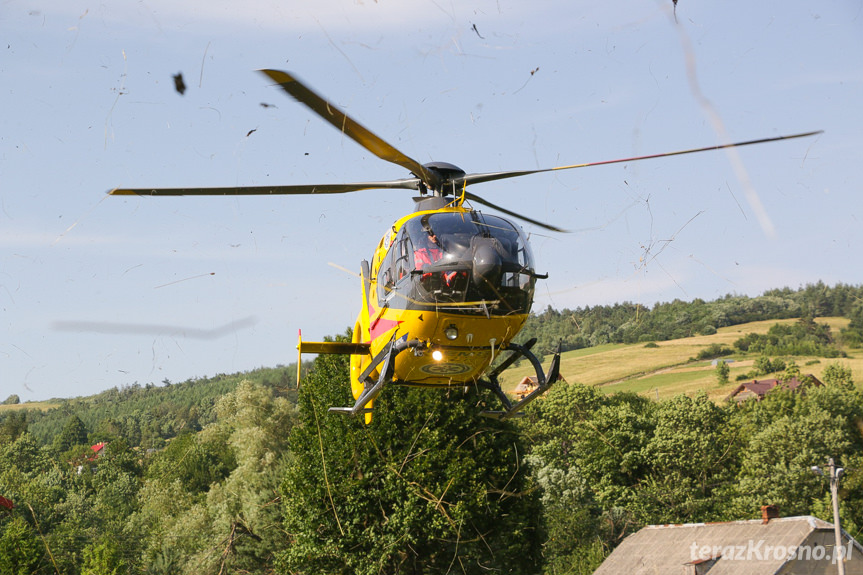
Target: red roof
{"type": "Point", "coordinates": [97, 451]}
{"type": "Point", "coordinates": [759, 387]}
{"type": "Point", "coordinates": [6, 503]}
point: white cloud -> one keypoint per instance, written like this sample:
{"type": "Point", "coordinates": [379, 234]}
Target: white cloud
{"type": "Point", "coordinates": [267, 14]}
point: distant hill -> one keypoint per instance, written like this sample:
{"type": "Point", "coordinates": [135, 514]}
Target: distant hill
{"type": "Point", "coordinates": [147, 415]}
{"type": "Point", "coordinates": [628, 322]}
{"type": "Point", "coordinates": [667, 368]}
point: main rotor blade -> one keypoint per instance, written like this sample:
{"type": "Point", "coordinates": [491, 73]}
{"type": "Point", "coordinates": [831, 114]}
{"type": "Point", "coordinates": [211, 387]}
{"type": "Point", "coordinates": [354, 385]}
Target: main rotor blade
{"type": "Point", "coordinates": [406, 184]}
{"type": "Point", "coordinates": [347, 125]}
{"type": "Point", "coordinates": [489, 177]}
{"type": "Point", "coordinates": [479, 200]}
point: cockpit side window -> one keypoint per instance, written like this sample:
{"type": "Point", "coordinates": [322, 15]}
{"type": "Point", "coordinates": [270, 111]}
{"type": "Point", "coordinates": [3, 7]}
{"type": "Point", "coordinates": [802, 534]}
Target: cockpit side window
{"type": "Point", "coordinates": [385, 279]}
{"type": "Point", "coordinates": [403, 264]}
{"type": "Point", "coordinates": [396, 267]}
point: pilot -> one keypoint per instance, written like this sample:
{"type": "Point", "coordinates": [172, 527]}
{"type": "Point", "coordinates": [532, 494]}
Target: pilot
{"type": "Point", "coordinates": [428, 253]}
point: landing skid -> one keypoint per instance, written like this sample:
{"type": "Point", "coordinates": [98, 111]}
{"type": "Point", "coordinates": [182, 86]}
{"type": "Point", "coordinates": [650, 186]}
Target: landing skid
{"type": "Point", "coordinates": [543, 381]}
{"type": "Point", "coordinates": [386, 358]}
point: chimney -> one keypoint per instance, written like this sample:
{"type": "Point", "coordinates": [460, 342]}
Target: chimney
{"type": "Point", "coordinates": [769, 512]}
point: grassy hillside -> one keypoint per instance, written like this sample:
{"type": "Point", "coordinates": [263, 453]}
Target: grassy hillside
{"type": "Point", "coordinates": [670, 368]}
{"type": "Point", "coordinates": [34, 405]}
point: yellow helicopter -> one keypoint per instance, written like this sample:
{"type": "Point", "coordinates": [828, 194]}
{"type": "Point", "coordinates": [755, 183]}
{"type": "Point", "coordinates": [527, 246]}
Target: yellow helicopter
{"type": "Point", "coordinates": [448, 287]}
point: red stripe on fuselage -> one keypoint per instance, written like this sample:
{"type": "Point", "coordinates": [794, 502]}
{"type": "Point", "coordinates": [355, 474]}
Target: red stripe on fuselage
{"type": "Point", "coordinates": [380, 326]}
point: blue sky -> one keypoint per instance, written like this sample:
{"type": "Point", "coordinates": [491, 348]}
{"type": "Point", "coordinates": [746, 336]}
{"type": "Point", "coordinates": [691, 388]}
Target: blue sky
{"type": "Point", "coordinates": [97, 292]}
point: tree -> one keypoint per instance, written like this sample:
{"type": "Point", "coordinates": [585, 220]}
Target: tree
{"type": "Point", "coordinates": [36, 483]}
{"type": "Point", "coordinates": [853, 334]}
{"type": "Point", "coordinates": [785, 434]}
{"type": "Point", "coordinates": [690, 456]}
{"type": "Point", "coordinates": [765, 366]}
{"type": "Point", "coordinates": [194, 463]}
{"type": "Point", "coordinates": [12, 426]}
{"type": "Point", "coordinates": [115, 483]}
{"type": "Point", "coordinates": [428, 487]}
{"type": "Point", "coordinates": [20, 548]}
{"type": "Point", "coordinates": [588, 456]}
{"type": "Point", "coordinates": [12, 400]}
{"type": "Point", "coordinates": [211, 501]}
{"type": "Point", "coordinates": [837, 374]}
{"type": "Point", "coordinates": [722, 371]}
{"type": "Point", "coordinates": [244, 510]}
{"type": "Point", "coordinates": [74, 433]}
{"type": "Point", "coordinates": [792, 371]}
{"type": "Point", "coordinates": [781, 475]}
{"type": "Point", "coordinates": [103, 558]}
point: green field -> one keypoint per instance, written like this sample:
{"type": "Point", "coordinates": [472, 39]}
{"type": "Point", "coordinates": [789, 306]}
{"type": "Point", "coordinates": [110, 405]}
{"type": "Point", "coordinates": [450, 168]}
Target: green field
{"type": "Point", "coordinates": [670, 368]}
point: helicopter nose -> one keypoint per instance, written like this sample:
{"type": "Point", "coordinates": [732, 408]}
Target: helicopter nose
{"type": "Point", "coordinates": [487, 268]}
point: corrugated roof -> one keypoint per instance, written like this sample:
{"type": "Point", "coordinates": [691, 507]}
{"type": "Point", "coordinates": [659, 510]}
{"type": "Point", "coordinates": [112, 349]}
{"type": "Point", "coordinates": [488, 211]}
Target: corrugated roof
{"type": "Point", "coordinates": [758, 548]}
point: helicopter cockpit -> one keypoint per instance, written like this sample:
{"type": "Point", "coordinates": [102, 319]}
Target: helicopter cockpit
{"type": "Point", "coordinates": [479, 263]}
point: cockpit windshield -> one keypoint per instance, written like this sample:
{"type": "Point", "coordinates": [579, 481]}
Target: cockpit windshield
{"type": "Point", "coordinates": [478, 263]}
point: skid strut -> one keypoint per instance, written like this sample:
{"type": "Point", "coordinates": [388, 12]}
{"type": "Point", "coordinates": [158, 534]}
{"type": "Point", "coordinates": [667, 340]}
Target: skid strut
{"type": "Point", "coordinates": [387, 357]}
{"type": "Point", "coordinates": [543, 380]}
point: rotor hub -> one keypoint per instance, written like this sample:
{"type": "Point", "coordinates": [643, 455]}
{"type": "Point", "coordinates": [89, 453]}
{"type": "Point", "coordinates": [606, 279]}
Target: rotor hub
{"type": "Point", "coordinates": [440, 178]}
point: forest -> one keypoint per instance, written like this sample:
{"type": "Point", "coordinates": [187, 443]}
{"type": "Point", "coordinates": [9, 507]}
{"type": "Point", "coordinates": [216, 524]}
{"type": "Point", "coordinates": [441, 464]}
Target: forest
{"type": "Point", "coordinates": [245, 474]}
{"type": "Point", "coordinates": [630, 323]}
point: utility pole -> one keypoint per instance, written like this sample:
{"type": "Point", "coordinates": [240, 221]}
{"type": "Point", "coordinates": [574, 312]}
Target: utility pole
{"type": "Point", "coordinates": [835, 475]}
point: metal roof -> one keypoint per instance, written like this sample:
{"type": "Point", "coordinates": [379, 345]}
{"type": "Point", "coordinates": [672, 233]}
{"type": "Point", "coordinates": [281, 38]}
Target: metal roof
{"type": "Point", "coordinates": [783, 546]}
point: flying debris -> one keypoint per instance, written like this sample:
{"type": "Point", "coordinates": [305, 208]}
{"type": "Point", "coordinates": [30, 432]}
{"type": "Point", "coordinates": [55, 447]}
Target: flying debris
{"type": "Point", "coordinates": [179, 84]}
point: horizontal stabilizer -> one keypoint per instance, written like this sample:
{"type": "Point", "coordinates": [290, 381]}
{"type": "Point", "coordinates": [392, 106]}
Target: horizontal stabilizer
{"type": "Point", "coordinates": [342, 347]}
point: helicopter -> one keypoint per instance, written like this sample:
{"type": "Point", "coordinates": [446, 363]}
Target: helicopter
{"type": "Point", "coordinates": [448, 287]}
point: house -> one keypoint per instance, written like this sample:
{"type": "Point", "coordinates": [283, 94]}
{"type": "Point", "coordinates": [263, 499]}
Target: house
{"type": "Point", "coordinates": [6, 503]}
{"type": "Point", "coordinates": [98, 450]}
{"type": "Point", "coordinates": [527, 385]}
{"type": "Point", "coordinates": [780, 546]}
{"type": "Point", "coordinates": [758, 388]}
